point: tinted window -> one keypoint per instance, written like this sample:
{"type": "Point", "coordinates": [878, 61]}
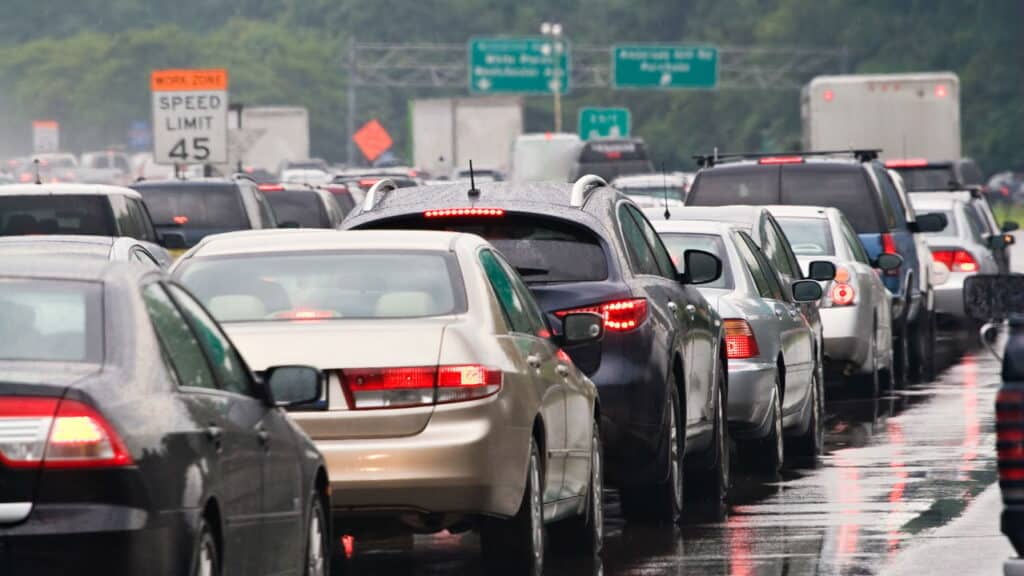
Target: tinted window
{"type": "Point", "coordinates": [512, 305]}
{"type": "Point", "coordinates": [678, 244]}
{"type": "Point", "coordinates": [540, 249]}
{"type": "Point", "coordinates": [845, 189]}
{"type": "Point", "coordinates": [747, 250]}
{"type": "Point", "coordinates": [853, 241]}
{"type": "Point", "coordinates": [611, 158]}
{"type": "Point", "coordinates": [195, 206]}
{"type": "Point", "coordinates": [141, 219]}
{"type": "Point", "coordinates": [808, 236]}
{"type": "Point", "coordinates": [326, 285]}
{"type": "Point", "coordinates": [661, 256]}
{"type": "Point", "coordinates": [267, 217]}
{"type": "Point", "coordinates": [757, 185]}
{"type": "Point", "coordinates": [345, 201]}
{"type": "Point", "coordinates": [896, 218]}
{"type": "Point", "coordinates": [928, 178]}
{"type": "Point", "coordinates": [771, 274]}
{"type": "Point", "coordinates": [641, 257]}
{"type": "Point", "coordinates": [232, 375]}
{"type": "Point", "coordinates": [57, 214]}
{"type": "Point", "coordinates": [978, 230]}
{"type": "Point", "coordinates": [302, 208]}
{"type": "Point", "coordinates": [178, 341]}
{"type": "Point", "coordinates": [51, 320]}
{"type": "Point", "coordinates": [971, 174]}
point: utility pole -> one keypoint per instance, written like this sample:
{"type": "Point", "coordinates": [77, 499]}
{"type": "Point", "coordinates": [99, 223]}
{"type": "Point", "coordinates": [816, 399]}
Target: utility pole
{"type": "Point", "coordinates": [350, 119]}
{"type": "Point", "coordinates": [553, 30]}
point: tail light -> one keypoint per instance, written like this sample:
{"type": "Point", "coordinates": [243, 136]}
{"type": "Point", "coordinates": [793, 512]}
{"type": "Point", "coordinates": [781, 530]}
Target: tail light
{"type": "Point", "coordinates": [619, 315]}
{"type": "Point", "coordinates": [1010, 435]}
{"type": "Point", "coordinates": [956, 260]}
{"type": "Point", "coordinates": [374, 388]}
{"type": "Point", "coordinates": [180, 220]}
{"type": "Point", "coordinates": [907, 163]}
{"type": "Point", "coordinates": [740, 342]}
{"type": "Point", "coordinates": [463, 212]}
{"type": "Point", "coordinates": [270, 188]}
{"type": "Point", "coordinates": [55, 433]}
{"type": "Point", "coordinates": [889, 247]}
{"type": "Point", "coordinates": [775, 160]}
{"type": "Point", "coordinates": [842, 294]}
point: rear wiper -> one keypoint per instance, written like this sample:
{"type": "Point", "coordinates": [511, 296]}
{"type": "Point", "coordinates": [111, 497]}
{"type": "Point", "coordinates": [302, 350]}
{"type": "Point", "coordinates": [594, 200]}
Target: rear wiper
{"type": "Point", "coordinates": [529, 271]}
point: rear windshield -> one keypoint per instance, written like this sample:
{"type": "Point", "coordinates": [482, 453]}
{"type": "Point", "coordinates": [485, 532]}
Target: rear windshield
{"type": "Point", "coordinates": [41, 248]}
{"type": "Point", "coordinates": [323, 286]}
{"type": "Point", "coordinates": [56, 214]}
{"type": "Point", "coordinates": [747, 185]}
{"type": "Point", "coordinates": [678, 244]}
{"type": "Point", "coordinates": [928, 179]}
{"type": "Point", "coordinates": [540, 249]}
{"type": "Point", "coordinates": [659, 192]}
{"type": "Point", "coordinates": [613, 158]}
{"type": "Point", "coordinates": [808, 236]}
{"type": "Point", "coordinates": [302, 208]}
{"type": "Point", "coordinates": [50, 320]}
{"type": "Point", "coordinates": [195, 206]}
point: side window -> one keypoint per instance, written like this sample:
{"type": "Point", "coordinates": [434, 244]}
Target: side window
{"type": "Point", "coordinates": [126, 226]}
{"type": "Point", "coordinates": [141, 218]}
{"type": "Point", "coordinates": [774, 250]}
{"type": "Point", "coordinates": [974, 221]}
{"type": "Point", "coordinates": [511, 304]}
{"type": "Point", "coordinates": [853, 240]}
{"type": "Point", "coordinates": [661, 255]}
{"type": "Point", "coordinates": [891, 206]}
{"type": "Point", "coordinates": [640, 256]}
{"type": "Point", "coordinates": [266, 213]}
{"type": "Point", "coordinates": [771, 274]}
{"type": "Point", "coordinates": [231, 372]}
{"type": "Point", "coordinates": [792, 264]}
{"type": "Point", "coordinates": [538, 325]}
{"type": "Point", "coordinates": [744, 246]}
{"type": "Point", "coordinates": [177, 340]}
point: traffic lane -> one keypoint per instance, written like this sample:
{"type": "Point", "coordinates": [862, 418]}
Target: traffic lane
{"type": "Point", "coordinates": [895, 469]}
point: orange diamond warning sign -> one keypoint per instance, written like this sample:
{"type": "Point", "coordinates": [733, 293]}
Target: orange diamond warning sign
{"type": "Point", "coordinates": [373, 140]}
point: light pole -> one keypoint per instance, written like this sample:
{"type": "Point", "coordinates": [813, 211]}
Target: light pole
{"type": "Point", "coordinates": [555, 49]}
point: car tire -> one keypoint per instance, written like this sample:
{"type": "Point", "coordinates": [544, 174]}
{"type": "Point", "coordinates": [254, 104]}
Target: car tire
{"type": "Point", "coordinates": [207, 558]}
{"type": "Point", "coordinates": [765, 456]}
{"type": "Point", "coordinates": [583, 535]}
{"type": "Point", "coordinates": [516, 545]}
{"type": "Point", "coordinates": [318, 540]}
{"type": "Point", "coordinates": [711, 485]}
{"type": "Point", "coordinates": [663, 501]}
{"type": "Point", "coordinates": [808, 446]}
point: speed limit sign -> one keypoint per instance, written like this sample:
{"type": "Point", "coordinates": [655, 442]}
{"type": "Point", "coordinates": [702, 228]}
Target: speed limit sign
{"type": "Point", "coordinates": [190, 116]}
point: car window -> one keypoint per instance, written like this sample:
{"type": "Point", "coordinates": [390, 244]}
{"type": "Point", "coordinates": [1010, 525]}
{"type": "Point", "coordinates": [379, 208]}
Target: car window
{"type": "Point", "coordinates": [661, 255]}
{"type": "Point", "coordinates": [126, 225]}
{"type": "Point", "coordinates": [141, 219]}
{"type": "Point", "coordinates": [678, 243]}
{"type": "Point", "coordinates": [808, 236]}
{"type": "Point", "coordinates": [232, 374]}
{"type": "Point", "coordinates": [641, 257]}
{"type": "Point", "coordinates": [538, 325]}
{"type": "Point", "coordinates": [746, 247]}
{"type": "Point", "coordinates": [842, 187]}
{"type": "Point", "coordinates": [23, 214]}
{"type": "Point", "coordinates": [267, 217]}
{"type": "Point", "coordinates": [853, 241]}
{"type": "Point", "coordinates": [978, 229]}
{"type": "Point", "coordinates": [771, 273]}
{"type": "Point", "coordinates": [512, 306]}
{"type": "Point", "coordinates": [891, 203]}
{"type": "Point", "coordinates": [774, 249]}
{"type": "Point", "coordinates": [303, 208]}
{"type": "Point", "coordinates": [792, 264]}
{"type": "Point", "coordinates": [51, 320]}
{"type": "Point", "coordinates": [758, 185]}
{"type": "Point", "coordinates": [177, 340]}
{"type": "Point", "coordinates": [927, 179]}
{"type": "Point", "coordinates": [195, 206]}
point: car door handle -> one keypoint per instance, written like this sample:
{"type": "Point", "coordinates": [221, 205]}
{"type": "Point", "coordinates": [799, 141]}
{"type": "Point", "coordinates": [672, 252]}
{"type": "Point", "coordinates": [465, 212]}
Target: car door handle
{"type": "Point", "coordinates": [533, 360]}
{"type": "Point", "coordinates": [562, 370]}
{"type": "Point", "coordinates": [215, 434]}
{"type": "Point", "coordinates": [263, 436]}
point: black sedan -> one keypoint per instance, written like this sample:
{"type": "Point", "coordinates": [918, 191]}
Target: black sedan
{"type": "Point", "coordinates": [134, 439]}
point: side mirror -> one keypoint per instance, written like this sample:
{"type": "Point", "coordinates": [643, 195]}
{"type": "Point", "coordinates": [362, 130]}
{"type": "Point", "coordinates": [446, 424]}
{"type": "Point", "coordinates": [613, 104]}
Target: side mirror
{"type": "Point", "coordinates": [1010, 239]}
{"type": "Point", "coordinates": [291, 386]}
{"type": "Point", "coordinates": [289, 224]}
{"type": "Point", "coordinates": [1010, 226]}
{"type": "Point", "coordinates": [173, 240]}
{"type": "Point", "coordinates": [822, 271]}
{"type": "Point", "coordinates": [997, 241]}
{"type": "Point", "coordinates": [582, 328]}
{"type": "Point", "coordinates": [886, 262]}
{"type": "Point", "coordinates": [701, 267]}
{"type": "Point", "coordinates": [806, 291]}
{"type": "Point", "coordinates": [990, 297]}
{"type": "Point", "coordinates": [932, 222]}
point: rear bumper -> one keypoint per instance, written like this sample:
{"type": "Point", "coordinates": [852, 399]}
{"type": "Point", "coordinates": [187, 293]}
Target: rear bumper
{"type": "Point", "coordinates": [949, 297]}
{"type": "Point", "coordinates": [98, 539]}
{"type": "Point", "coordinates": [848, 335]}
{"type": "Point", "coordinates": [751, 385]}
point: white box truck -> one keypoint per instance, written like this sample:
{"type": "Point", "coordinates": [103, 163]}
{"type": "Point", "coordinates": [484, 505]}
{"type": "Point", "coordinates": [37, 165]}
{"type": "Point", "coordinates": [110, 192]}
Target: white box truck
{"type": "Point", "coordinates": [449, 132]}
{"type": "Point", "coordinates": [270, 135]}
{"type": "Point", "coordinates": [904, 115]}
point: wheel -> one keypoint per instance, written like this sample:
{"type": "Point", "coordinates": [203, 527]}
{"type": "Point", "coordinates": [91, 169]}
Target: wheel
{"type": "Point", "coordinates": [711, 485]}
{"type": "Point", "coordinates": [886, 374]}
{"type": "Point", "coordinates": [809, 445]}
{"type": "Point", "coordinates": [317, 540]}
{"type": "Point", "coordinates": [766, 455]}
{"type": "Point", "coordinates": [584, 534]}
{"type": "Point", "coordinates": [662, 502]}
{"type": "Point", "coordinates": [922, 348]}
{"type": "Point", "coordinates": [207, 560]}
{"type": "Point", "coordinates": [516, 545]}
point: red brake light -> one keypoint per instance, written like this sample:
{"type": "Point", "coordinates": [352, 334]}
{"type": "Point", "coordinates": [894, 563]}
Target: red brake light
{"type": "Point", "coordinates": [956, 260]}
{"type": "Point", "coordinates": [180, 220]}
{"type": "Point", "coordinates": [304, 314]}
{"type": "Point", "coordinates": [374, 388]}
{"type": "Point", "coordinates": [781, 160]}
{"type": "Point", "coordinates": [368, 182]}
{"type": "Point", "coordinates": [270, 187]}
{"type": "Point", "coordinates": [941, 91]}
{"type": "Point", "coordinates": [461, 212]}
{"type": "Point", "coordinates": [55, 433]}
{"type": "Point", "coordinates": [842, 294]}
{"type": "Point", "coordinates": [613, 155]}
{"type": "Point", "coordinates": [740, 342]}
{"type": "Point", "coordinates": [25, 177]}
{"type": "Point", "coordinates": [907, 163]}
{"type": "Point", "coordinates": [619, 315]}
{"type": "Point", "coordinates": [828, 95]}
{"type": "Point", "coordinates": [469, 382]}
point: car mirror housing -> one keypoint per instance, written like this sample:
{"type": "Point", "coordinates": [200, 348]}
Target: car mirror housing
{"type": "Point", "coordinates": [1010, 226]}
{"type": "Point", "coordinates": [886, 262]}
{"type": "Point", "coordinates": [700, 267]}
{"type": "Point", "coordinates": [822, 271]}
{"type": "Point", "coordinates": [582, 328]}
{"type": "Point", "coordinates": [807, 291]}
{"type": "Point", "coordinates": [989, 297]}
{"type": "Point", "coordinates": [172, 240]}
{"type": "Point", "coordinates": [291, 386]}
{"type": "Point", "coordinates": [931, 222]}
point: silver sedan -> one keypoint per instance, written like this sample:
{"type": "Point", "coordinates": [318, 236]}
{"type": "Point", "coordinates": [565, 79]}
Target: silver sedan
{"type": "Point", "coordinates": [856, 309]}
{"type": "Point", "coordinates": [769, 343]}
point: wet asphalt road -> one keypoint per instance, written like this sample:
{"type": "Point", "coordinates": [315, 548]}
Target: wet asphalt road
{"type": "Point", "coordinates": [896, 468]}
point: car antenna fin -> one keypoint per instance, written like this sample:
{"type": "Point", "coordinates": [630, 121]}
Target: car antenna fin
{"type": "Point", "coordinates": [664, 189]}
{"type": "Point", "coordinates": [473, 192]}
{"type": "Point", "coordinates": [35, 164]}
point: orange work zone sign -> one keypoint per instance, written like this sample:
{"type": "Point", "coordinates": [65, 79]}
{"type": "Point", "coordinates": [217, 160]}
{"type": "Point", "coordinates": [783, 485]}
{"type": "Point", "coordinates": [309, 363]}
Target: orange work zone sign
{"type": "Point", "coordinates": [188, 80]}
{"type": "Point", "coordinates": [373, 140]}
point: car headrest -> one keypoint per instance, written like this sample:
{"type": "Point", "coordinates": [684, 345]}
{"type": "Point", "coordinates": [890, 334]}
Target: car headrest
{"type": "Point", "coordinates": [236, 307]}
{"type": "Point", "coordinates": [405, 304]}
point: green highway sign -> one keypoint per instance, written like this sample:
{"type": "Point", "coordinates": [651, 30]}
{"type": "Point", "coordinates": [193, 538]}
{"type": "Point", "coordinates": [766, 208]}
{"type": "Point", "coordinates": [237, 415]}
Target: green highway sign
{"type": "Point", "coordinates": [521, 65]}
{"type": "Point", "coordinates": [603, 123]}
{"type": "Point", "coordinates": [664, 66]}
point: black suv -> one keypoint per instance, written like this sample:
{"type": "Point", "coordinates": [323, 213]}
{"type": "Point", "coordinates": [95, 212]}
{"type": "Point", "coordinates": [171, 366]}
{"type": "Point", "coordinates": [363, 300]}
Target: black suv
{"type": "Point", "coordinates": [661, 368]}
{"type": "Point", "coordinates": [862, 188]}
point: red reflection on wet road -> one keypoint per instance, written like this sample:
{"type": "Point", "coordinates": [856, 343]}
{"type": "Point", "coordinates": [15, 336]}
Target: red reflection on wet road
{"type": "Point", "coordinates": [972, 425]}
{"type": "Point", "coordinates": [899, 486]}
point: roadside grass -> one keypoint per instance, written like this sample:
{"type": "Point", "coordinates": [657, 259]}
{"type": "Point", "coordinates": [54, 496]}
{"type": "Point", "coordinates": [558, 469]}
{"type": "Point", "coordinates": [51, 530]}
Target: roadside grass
{"type": "Point", "coordinates": [1009, 212]}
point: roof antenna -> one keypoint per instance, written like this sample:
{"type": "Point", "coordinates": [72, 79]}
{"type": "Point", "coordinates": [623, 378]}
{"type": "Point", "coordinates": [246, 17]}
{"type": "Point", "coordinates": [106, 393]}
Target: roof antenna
{"type": "Point", "coordinates": [472, 181]}
{"type": "Point", "coordinates": [35, 162]}
{"type": "Point", "coordinates": [664, 188]}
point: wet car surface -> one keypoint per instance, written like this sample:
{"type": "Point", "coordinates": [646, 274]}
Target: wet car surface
{"type": "Point", "coordinates": [896, 468]}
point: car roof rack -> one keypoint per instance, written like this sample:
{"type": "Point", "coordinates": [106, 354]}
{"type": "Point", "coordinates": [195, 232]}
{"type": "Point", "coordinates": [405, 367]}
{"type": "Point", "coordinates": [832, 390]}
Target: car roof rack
{"type": "Point", "coordinates": [585, 185]}
{"type": "Point", "coordinates": [715, 158]}
{"type": "Point", "coordinates": [381, 187]}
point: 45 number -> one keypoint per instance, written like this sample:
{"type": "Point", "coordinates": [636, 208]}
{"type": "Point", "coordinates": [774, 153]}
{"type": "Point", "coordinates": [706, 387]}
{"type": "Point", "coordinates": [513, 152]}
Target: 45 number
{"type": "Point", "coordinates": [200, 149]}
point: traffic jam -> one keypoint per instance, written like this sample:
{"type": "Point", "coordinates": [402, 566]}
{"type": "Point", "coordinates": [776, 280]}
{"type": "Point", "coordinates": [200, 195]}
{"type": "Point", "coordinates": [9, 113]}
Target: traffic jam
{"type": "Point", "coordinates": [222, 354]}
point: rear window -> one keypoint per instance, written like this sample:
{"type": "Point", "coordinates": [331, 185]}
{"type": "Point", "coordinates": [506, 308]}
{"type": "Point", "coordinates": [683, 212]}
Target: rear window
{"type": "Point", "coordinates": [678, 244]}
{"type": "Point", "coordinates": [540, 249]}
{"type": "Point", "coordinates": [844, 189]}
{"type": "Point", "coordinates": [744, 185]}
{"type": "Point", "coordinates": [79, 250]}
{"type": "Point", "coordinates": [657, 192]}
{"type": "Point", "coordinates": [302, 208]}
{"type": "Point", "coordinates": [613, 158]}
{"type": "Point", "coordinates": [326, 285]}
{"type": "Point", "coordinates": [951, 227]}
{"type": "Point", "coordinates": [50, 320]}
{"type": "Point", "coordinates": [56, 214]}
{"type": "Point", "coordinates": [195, 206]}
{"type": "Point", "coordinates": [808, 236]}
{"type": "Point", "coordinates": [923, 179]}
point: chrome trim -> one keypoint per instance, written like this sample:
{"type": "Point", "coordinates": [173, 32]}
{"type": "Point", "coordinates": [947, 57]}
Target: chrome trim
{"type": "Point", "coordinates": [14, 511]}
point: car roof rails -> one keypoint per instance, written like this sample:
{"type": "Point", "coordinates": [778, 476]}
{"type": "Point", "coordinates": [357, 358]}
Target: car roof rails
{"type": "Point", "coordinates": [243, 176]}
{"type": "Point", "coordinates": [715, 158]}
{"type": "Point", "coordinates": [381, 187]}
{"type": "Point", "coordinates": [584, 186]}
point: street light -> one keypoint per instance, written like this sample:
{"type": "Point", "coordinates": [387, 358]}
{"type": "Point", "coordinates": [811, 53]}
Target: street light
{"type": "Point", "coordinates": [553, 30]}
